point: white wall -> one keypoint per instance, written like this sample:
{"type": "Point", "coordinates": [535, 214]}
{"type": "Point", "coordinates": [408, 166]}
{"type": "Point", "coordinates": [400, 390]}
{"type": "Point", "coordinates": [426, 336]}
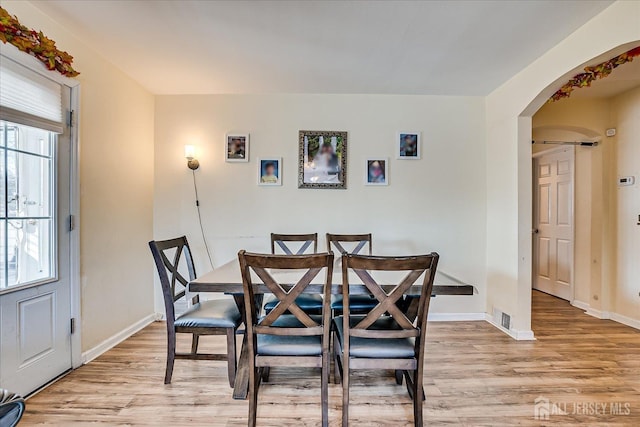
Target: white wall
{"type": "Point", "coordinates": [116, 180]}
{"type": "Point", "coordinates": [509, 110]}
{"type": "Point", "coordinates": [625, 295]}
{"type": "Point", "coordinates": [437, 203]}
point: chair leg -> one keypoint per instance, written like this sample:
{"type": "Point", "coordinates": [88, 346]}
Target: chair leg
{"type": "Point", "coordinates": [337, 375]}
{"type": "Point", "coordinates": [399, 376]}
{"type": "Point", "coordinates": [171, 355]}
{"type": "Point", "coordinates": [418, 398]}
{"type": "Point", "coordinates": [194, 343]}
{"type": "Point", "coordinates": [232, 362]}
{"type": "Point", "coordinates": [324, 393]}
{"type": "Point", "coordinates": [265, 374]}
{"type": "Point", "coordinates": [345, 392]}
{"type": "Point", "coordinates": [254, 376]}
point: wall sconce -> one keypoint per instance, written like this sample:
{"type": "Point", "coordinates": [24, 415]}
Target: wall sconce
{"type": "Point", "coordinates": [190, 154]}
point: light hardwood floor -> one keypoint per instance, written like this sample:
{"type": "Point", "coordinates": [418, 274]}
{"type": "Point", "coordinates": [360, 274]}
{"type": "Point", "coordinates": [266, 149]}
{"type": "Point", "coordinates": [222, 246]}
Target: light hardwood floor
{"type": "Point", "coordinates": [475, 375]}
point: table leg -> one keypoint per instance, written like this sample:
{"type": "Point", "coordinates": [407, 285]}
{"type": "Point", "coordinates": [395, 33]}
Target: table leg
{"type": "Point", "coordinates": [241, 385]}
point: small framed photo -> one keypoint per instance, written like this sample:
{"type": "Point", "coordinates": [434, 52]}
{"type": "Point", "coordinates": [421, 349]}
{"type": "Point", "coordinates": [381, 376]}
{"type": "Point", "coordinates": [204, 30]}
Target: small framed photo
{"type": "Point", "coordinates": [408, 145]}
{"type": "Point", "coordinates": [270, 171]}
{"type": "Point", "coordinates": [236, 147]}
{"type": "Point", "coordinates": [377, 172]}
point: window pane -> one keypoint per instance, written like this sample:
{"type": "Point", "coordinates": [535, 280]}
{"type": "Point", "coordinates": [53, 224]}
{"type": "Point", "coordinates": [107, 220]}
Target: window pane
{"type": "Point", "coordinates": [29, 185]}
{"type": "Point", "coordinates": [3, 178]}
{"type": "Point", "coordinates": [29, 250]}
{"type": "Point", "coordinates": [3, 262]}
{"type": "Point", "coordinates": [25, 138]}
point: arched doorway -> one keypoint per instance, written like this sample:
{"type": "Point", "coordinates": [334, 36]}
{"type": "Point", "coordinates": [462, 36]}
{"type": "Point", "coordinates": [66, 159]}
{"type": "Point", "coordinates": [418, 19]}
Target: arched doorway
{"type": "Point", "coordinates": [509, 170]}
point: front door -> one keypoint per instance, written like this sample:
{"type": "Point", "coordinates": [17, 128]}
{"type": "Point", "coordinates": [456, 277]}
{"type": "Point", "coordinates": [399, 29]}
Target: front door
{"type": "Point", "coordinates": [553, 223]}
{"type": "Point", "coordinates": [35, 300]}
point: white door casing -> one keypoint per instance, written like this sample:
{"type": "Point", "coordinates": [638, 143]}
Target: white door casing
{"type": "Point", "coordinates": [553, 216]}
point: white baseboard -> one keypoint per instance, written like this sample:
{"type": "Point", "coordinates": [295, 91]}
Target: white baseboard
{"type": "Point", "coordinates": [455, 317]}
{"type": "Point", "coordinates": [513, 333]}
{"type": "Point", "coordinates": [580, 304]}
{"type": "Point", "coordinates": [598, 314]}
{"type": "Point", "coordinates": [634, 323]}
{"type": "Point", "coordinates": [116, 339]}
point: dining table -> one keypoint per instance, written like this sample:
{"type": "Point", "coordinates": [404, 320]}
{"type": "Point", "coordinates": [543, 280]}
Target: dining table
{"type": "Point", "coordinates": [227, 279]}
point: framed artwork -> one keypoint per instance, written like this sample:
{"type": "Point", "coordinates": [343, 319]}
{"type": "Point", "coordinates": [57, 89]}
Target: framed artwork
{"type": "Point", "coordinates": [270, 171]}
{"type": "Point", "coordinates": [377, 172]}
{"type": "Point", "coordinates": [236, 147]}
{"type": "Point", "coordinates": [322, 159]}
{"type": "Point", "coordinates": [408, 145]}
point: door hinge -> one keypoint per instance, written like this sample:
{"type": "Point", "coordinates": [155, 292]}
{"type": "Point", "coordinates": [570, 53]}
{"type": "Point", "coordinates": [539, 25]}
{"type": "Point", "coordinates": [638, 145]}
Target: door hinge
{"type": "Point", "coordinates": [70, 123]}
{"type": "Point", "coordinates": [73, 325]}
{"type": "Point", "coordinates": [72, 223]}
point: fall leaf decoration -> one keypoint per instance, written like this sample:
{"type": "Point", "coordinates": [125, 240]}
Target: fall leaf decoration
{"type": "Point", "coordinates": [593, 73]}
{"type": "Point", "coordinates": [35, 43]}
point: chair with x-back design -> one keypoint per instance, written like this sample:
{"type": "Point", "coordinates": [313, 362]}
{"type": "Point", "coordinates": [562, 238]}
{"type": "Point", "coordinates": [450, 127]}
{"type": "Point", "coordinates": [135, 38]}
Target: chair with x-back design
{"type": "Point", "coordinates": [358, 303]}
{"type": "Point", "coordinates": [385, 337]}
{"type": "Point", "coordinates": [218, 317]}
{"type": "Point", "coordinates": [287, 336]}
{"type": "Point", "coordinates": [311, 304]}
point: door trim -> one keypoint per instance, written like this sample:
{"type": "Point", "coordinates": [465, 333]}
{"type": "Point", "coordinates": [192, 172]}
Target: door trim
{"type": "Point", "coordinates": [553, 151]}
{"type": "Point", "coordinates": [35, 65]}
{"type": "Point", "coordinates": [534, 261]}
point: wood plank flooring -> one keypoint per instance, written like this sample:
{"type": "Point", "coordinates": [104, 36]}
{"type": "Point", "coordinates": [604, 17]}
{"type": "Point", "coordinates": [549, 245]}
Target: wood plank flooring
{"type": "Point", "coordinates": [475, 376]}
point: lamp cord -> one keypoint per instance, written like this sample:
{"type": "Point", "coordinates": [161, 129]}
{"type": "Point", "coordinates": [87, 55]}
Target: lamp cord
{"type": "Point", "coordinates": [204, 239]}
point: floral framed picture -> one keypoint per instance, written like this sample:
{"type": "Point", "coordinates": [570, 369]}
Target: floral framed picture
{"type": "Point", "coordinates": [270, 171]}
{"type": "Point", "coordinates": [408, 145]}
{"type": "Point", "coordinates": [322, 159]}
{"type": "Point", "coordinates": [236, 147]}
{"type": "Point", "coordinates": [377, 172]}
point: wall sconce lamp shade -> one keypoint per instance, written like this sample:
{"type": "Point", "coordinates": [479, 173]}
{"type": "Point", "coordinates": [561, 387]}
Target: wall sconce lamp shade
{"type": "Point", "coordinates": [190, 154]}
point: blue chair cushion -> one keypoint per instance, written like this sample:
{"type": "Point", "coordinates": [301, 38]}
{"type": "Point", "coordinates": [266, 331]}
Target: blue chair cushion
{"type": "Point", "coordinates": [357, 303]}
{"type": "Point", "coordinates": [376, 348]}
{"type": "Point", "coordinates": [211, 314]}
{"type": "Point", "coordinates": [279, 345]}
{"type": "Point", "coordinates": [309, 303]}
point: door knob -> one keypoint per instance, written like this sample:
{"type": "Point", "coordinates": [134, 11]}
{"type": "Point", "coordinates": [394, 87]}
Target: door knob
{"type": "Point", "coordinates": [535, 231]}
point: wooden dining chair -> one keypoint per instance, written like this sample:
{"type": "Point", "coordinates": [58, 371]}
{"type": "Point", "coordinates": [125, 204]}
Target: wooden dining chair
{"type": "Point", "coordinates": [355, 243]}
{"type": "Point", "coordinates": [385, 337]}
{"type": "Point", "coordinates": [287, 336]}
{"type": "Point", "coordinates": [217, 317]}
{"type": "Point", "coordinates": [309, 303]}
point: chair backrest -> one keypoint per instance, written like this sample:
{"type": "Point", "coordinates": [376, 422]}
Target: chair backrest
{"type": "Point", "coordinates": [306, 239]}
{"type": "Point", "coordinates": [388, 299]}
{"type": "Point", "coordinates": [167, 255]}
{"type": "Point", "coordinates": [11, 408]}
{"type": "Point", "coordinates": [360, 241]}
{"type": "Point", "coordinates": [286, 293]}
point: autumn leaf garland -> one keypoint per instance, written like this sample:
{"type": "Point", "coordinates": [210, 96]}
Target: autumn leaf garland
{"type": "Point", "coordinates": [35, 43]}
{"type": "Point", "coordinates": [593, 73]}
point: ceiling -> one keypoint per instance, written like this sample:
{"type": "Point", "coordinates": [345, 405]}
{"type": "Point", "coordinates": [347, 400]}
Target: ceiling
{"type": "Point", "coordinates": [372, 47]}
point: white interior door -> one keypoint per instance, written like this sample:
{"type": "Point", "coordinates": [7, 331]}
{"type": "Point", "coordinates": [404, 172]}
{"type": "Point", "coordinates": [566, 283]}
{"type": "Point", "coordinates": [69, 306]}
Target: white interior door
{"type": "Point", "coordinates": [553, 222]}
{"type": "Point", "coordinates": [35, 293]}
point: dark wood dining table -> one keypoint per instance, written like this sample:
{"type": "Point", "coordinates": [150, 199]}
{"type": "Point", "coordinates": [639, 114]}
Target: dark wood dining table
{"type": "Point", "coordinates": [227, 279]}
